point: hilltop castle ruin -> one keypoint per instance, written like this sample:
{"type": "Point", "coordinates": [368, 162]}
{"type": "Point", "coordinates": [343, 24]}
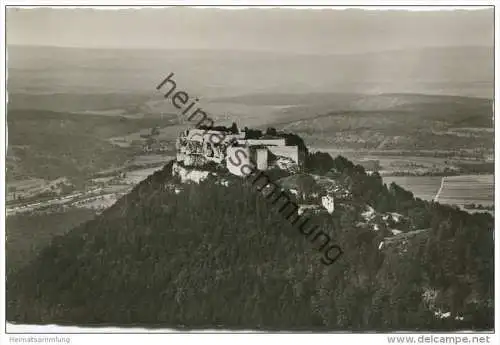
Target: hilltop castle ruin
{"type": "Point", "coordinates": [196, 148]}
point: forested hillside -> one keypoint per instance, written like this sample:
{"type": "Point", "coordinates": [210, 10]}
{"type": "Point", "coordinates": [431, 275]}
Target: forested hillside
{"type": "Point", "coordinates": [78, 144]}
{"type": "Point", "coordinates": [216, 256]}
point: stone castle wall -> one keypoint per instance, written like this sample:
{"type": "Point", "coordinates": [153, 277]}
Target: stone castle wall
{"type": "Point", "coordinates": [195, 148]}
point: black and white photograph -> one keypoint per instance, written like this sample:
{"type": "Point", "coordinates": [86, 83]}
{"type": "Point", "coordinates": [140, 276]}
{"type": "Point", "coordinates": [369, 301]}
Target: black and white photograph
{"type": "Point", "coordinates": [251, 169]}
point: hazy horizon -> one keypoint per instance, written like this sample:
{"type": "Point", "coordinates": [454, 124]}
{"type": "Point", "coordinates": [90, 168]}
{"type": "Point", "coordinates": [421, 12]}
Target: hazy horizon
{"type": "Point", "coordinates": [278, 30]}
{"type": "Point", "coordinates": [221, 53]}
{"type": "Point", "coordinates": [256, 51]}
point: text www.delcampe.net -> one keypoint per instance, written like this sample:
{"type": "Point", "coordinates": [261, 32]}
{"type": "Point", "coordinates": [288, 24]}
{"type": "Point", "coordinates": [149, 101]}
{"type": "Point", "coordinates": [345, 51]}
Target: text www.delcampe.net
{"type": "Point", "coordinates": [439, 339]}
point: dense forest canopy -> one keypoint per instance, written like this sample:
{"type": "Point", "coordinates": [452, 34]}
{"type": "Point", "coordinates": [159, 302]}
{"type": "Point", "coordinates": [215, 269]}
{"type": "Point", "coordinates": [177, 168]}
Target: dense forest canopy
{"type": "Point", "coordinates": [217, 256]}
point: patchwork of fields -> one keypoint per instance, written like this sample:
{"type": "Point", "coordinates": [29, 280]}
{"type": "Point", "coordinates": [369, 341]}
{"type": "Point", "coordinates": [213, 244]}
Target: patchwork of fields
{"type": "Point", "coordinates": [457, 190]}
{"type": "Point", "coordinates": [424, 187]}
{"type": "Point", "coordinates": [467, 189]}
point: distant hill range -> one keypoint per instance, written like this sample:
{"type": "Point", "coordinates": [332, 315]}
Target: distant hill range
{"type": "Point", "coordinates": [468, 111]}
{"type": "Point", "coordinates": [392, 121]}
{"type": "Point", "coordinates": [463, 71]}
{"type": "Point", "coordinates": [429, 99]}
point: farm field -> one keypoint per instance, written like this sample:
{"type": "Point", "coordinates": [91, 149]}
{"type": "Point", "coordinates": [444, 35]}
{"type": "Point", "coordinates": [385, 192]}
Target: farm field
{"type": "Point", "coordinates": [467, 189]}
{"type": "Point", "coordinates": [424, 187]}
{"type": "Point", "coordinates": [25, 188]}
{"type": "Point", "coordinates": [456, 190]}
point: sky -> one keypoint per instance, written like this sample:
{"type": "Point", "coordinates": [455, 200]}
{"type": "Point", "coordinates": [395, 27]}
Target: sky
{"type": "Point", "coordinates": [280, 30]}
